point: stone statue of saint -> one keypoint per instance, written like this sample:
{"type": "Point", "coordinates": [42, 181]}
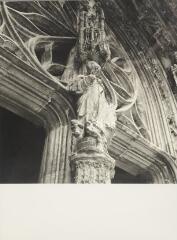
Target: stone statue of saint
{"type": "Point", "coordinates": [95, 114]}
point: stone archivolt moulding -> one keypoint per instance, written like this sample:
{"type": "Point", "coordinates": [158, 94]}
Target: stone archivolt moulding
{"type": "Point", "coordinates": [160, 104]}
{"type": "Point", "coordinates": [136, 155]}
{"type": "Point", "coordinates": [32, 95]}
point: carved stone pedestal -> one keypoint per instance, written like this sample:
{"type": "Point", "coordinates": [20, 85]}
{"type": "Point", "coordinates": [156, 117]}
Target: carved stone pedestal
{"type": "Point", "coordinates": [91, 164]}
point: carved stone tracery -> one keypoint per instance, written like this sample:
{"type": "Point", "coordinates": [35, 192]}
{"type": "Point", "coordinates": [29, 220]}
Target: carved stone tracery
{"type": "Point", "coordinates": [104, 90]}
{"type": "Point", "coordinates": [110, 77]}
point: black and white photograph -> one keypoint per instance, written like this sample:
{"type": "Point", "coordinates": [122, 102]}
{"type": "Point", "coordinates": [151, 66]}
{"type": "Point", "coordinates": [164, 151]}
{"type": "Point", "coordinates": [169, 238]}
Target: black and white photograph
{"type": "Point", "coordinates": [88, 120]}
{"type": "Point", "coordinates": [88, 91]}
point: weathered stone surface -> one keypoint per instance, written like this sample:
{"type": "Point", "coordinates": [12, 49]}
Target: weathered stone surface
{"type": "Point", "coordinates": [100, 76]}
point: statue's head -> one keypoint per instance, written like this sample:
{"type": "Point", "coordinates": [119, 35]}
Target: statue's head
{"type": "Point", "coordinates": [93, 67]}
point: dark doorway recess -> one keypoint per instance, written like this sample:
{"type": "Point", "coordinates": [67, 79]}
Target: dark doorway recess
{"type": "Point", "coordinates": [122, 176]}
{"type": "Point", "coordinates": [21, 147]}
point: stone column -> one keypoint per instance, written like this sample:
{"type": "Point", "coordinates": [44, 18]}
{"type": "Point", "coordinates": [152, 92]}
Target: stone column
{"type": "Point", "coordinates": [91, 164]}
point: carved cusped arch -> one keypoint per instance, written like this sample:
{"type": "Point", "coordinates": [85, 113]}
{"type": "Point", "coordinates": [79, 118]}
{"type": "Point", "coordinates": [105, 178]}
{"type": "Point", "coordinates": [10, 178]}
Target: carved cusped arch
{"type": "Point", "coordinates": [137, 156]}
{"type": "Point", "coordinates": [33, 84]}
{"type": "Point", "coordinates": [30, 94]}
